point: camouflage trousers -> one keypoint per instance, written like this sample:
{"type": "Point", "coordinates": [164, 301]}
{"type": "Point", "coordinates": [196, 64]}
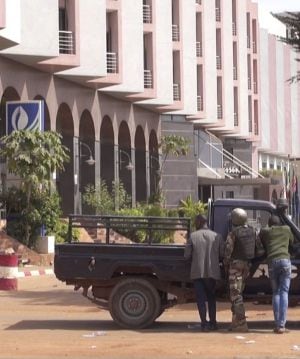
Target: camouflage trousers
{"type": "Point", "coordinates": [237, 274]}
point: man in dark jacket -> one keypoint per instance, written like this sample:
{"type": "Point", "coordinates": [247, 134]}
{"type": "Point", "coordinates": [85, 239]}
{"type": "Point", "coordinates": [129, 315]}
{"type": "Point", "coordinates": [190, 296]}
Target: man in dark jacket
{"type": "Point", "coordinates": [206, 248]}
{"type": "Point", "coordinates": [276, 239]}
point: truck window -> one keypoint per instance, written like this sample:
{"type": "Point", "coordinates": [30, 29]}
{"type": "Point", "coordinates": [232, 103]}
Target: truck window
{"type": "Point", "coordinates": [258, 219]}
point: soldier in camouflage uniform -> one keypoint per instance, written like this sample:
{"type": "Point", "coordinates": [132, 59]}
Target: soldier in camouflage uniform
{"type": "Point", "coordinates": [239, 250]}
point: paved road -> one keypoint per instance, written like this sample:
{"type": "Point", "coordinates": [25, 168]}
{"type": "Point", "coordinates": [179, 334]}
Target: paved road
{"type": "Point", "coordinates": [46, 319]}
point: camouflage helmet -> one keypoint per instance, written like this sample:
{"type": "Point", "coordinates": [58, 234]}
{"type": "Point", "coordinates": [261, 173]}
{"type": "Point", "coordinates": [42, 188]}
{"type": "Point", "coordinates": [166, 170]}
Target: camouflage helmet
{"type": "Point", "coordinates": [282, 204]}
{"type": "Point", "coordinates": [238, 217]}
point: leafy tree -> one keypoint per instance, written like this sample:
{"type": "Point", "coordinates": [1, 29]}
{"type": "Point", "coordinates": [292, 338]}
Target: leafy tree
{"type": "Point", "coordinates": [173, 145]}
{"type": "Point", "coordinates": [33, 156]}
{"type": "Point", "coordinates": [292, 21]}
{"type": "Point", "coordinates": [191, 208]}
{"type": "Point", "coordinates": [102, 201]}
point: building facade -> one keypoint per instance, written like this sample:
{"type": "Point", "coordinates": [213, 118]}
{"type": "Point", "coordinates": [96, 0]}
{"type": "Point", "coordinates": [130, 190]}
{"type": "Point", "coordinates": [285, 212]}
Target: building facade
{"type": "Point", "coordinates": [116, 75]}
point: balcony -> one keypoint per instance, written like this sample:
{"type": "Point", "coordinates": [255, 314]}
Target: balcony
{"type": "Point", "coordinates": [199, 103]}
{"type": "Point", "coordinates": [175, 33]}
{"type": "Point", "coordinates": [148, 80]}
{"type": "Point", "coordinates": [147, 14]}
{"type": "Point", "coordinates": [66, 42]}
{"type": "Point", "coordinates": [218, 14]}
{"type": "Point", "coordinates": [176, 92]}
{"type": "Point", "coordinates": [199, 49]}
{"type": "Point", "coordinates": [219, 62]}
{"type": "Point", "coordinates": [219, 112]}
{"type": "Point", "coordinates": [111, 62]}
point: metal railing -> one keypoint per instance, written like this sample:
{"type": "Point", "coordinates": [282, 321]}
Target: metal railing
{"type": "Point", "coordinates": [175, 33]}
{"type": "Point", "coordinates": [219, 62]}
{"type": "Point", "coordinates": [199, 49]}
{"type": "Point", "coordinates": [235, 119]}
{"type": "Point", "coordinates": [218, 14]}
{"type": "Point", "coordinates": [66, 42]}
{"type": "Point", "coordinates": [234, 29]}
{"type": "Point", "coordinates": [219, 112]}
{"type": "Point", "coordinates": [235, 73]}
{"type": "Point", "coordinates": [176, 92]}
{"type": "Point", "coordinates": [255, 87]}
{"type": "Point", "coordinates": [199, 103]}
{"type": "Point", "coordinates": [111, 62]}
{"type": "Point", "coordinates": [147, 14]}
{"type": "Point", "coordinates": [148, 80]}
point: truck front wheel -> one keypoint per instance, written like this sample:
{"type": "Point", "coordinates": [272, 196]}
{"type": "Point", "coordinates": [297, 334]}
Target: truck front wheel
{"type": "Point", "coordinates": [134, 303]}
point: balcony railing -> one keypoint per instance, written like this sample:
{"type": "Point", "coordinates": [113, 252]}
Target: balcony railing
{"type": "Point", "coordinates": [235, 119]}
{"type": "Point", "coordinates": [255, 87]}
{"type": "Point", "coordinates": [219, 62]}
{"type": "Point", "coordinates": [219, 111]}
{"type": "Point", "coordinates": [235, 73]}
{"type": "Point", "coordinates": [176, 92]}
{"type": "Point", "coordinates": [147, 14]}
{"type": "Point", "coordinates": [199, 49]}
{"type": "Point", "coordinates": [218, 14]}
{"type": "Point", "coordinates": [234, 29]}
{"type": "Point", "coordinates": [66, 42]}
{"type": "Point", "coordinates": [175, 33]}
{"type": "Point", "coordinates": [111, 62]}
{"type": "Point", "coordinates": [254, 47]}
{"type": "Point", "coordinates": [199, 103]}
{"type": "Point", "coordinates": [148, 80]}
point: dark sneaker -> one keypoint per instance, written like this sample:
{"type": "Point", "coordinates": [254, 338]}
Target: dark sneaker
{"type": "Point", "coordinates": [281, 330]}
{"type": "Point", "coordinates": [212, 327]}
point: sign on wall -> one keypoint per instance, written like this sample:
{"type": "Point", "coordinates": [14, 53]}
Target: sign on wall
{"type": "Point", "coordinates": [24, 115]}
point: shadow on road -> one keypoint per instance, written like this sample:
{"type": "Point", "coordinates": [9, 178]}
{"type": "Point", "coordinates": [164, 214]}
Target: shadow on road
{"type": "Point", "coordinates": [162, 326]}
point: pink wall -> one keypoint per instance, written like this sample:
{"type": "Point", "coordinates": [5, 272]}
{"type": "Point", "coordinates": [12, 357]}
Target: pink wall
{"type": "Point", "coordinates": [2, 14]}
{"type": "Point", "coordinates": [273, 93]}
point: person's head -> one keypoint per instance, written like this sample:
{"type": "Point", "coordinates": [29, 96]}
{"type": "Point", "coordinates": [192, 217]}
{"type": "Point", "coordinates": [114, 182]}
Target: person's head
{"type": "Point", "coordinates": [200, 221]}
{"type": "Point", "coordinates": [274, 221]}
{"type": "Point", "coordinates": [238, 217]}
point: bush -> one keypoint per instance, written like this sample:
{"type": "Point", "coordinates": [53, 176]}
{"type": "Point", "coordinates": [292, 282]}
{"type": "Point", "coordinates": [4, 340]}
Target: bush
{"type": "Point", "coordinates": [190, 208]}
{"type": "Point", "coordinates": [61, 232]}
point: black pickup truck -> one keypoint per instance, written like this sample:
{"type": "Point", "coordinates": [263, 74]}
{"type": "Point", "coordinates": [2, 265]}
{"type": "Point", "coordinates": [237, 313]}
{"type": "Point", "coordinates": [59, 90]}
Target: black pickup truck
{"type": "Point", "coordinates": [138, 281]}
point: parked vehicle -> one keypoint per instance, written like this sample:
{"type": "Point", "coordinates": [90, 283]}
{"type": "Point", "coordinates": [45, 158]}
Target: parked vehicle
{"type": "Point", "coordinates": [138, 281]}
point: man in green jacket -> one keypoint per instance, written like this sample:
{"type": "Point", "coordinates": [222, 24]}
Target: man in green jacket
{"type": "Point", "coordinates": [276, 240]}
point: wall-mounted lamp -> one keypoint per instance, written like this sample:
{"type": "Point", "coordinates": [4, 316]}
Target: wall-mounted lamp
{"type": "Point", "coordinates": [90, 161]}
{"type": "Point", "coordinates": [156, 168]}
{"type": "Point", "coordinates": [129, 165]}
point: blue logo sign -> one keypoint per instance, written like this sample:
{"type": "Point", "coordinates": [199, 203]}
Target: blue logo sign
{"type": "Point", "coordinates": [24, 115]}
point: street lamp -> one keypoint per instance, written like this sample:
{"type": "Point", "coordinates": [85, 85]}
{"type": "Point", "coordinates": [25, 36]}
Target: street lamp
{"type": "Point", "coordinates": [129, 166]}
{"type": "Point", "coordinates": [90, 161]}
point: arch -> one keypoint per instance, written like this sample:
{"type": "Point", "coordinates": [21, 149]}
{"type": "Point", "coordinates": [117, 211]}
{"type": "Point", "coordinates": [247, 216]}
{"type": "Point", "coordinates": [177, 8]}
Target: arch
{"type": "Point", "coordinates": [9, 94]}
{"type": "Point", "coordinates": [140, 165]}
{"type": "Point", "coordinates": [124, 142]}
{"type": "Point", "coordinates": [153, 162]}
{"type": "Point", "coordinates": [65, 179]}
{"type": "Point", "coordinates": [86, 142]}
{"type": "Point", "coordinates": [47, 122]}
{"type": "Point", "coordinates": [107, 155]}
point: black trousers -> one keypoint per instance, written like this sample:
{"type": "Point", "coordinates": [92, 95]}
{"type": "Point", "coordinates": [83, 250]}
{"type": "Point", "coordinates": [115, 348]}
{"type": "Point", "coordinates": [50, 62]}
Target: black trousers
{"type": "Point", "coordinates": [205, 289]}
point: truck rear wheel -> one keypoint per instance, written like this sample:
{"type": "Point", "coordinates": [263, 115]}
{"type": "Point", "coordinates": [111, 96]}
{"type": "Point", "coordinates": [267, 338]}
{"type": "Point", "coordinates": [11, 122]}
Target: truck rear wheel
{"type": "Point", "coordinates": [134, 303]}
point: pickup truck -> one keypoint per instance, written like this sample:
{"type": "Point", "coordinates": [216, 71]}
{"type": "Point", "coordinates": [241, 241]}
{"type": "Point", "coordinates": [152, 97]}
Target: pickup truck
{"type": "Point", "coordinates": [136, 282]}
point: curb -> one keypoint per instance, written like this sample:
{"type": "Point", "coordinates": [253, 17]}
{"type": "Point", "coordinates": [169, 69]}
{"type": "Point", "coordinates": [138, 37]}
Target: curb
{"type": "Point", "coordinates": [34, 273]}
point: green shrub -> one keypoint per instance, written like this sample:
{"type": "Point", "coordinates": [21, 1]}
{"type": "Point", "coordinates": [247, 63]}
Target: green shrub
{"type": "Point", "coordinates": [61, 232]}
{"type": "Point", "coordinates": [190, 208]}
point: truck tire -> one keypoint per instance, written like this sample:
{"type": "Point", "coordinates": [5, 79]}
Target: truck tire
{"type": "Point", "coordinates": [134, 303]}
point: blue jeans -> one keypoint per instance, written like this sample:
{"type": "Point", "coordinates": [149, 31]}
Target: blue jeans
{"type": "Point", "coordinates": [205, 289]}
{"type": "Point", "coordinates": [280, 276]}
